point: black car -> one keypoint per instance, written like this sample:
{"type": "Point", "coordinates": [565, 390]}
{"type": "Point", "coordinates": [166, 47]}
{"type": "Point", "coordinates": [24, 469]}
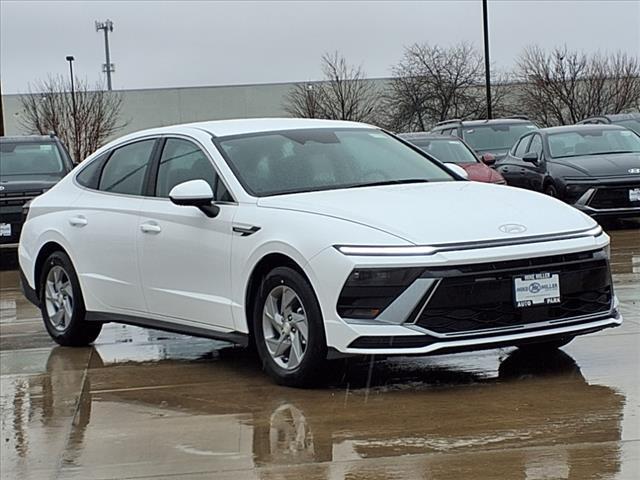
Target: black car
{"type": "Point", "coordinates": [627, 120]}
{"type": "Point", "coordinates": [490, 139]}
{"type": "Point", "coordinates": [29, 165]}
{"type": "Point", "coordinates": [595, 168]}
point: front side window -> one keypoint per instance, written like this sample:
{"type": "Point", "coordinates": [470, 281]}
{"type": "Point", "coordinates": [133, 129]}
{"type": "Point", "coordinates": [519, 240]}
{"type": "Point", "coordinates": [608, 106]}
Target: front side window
{"type": "Point", "coordinates": [126, 169]}
{"type": "Point", "coordinates": [28, 160]}
{"type": "Point", "coordinates": [497, 136]}
{"type": "Point", "coordinates": [448, 151]}
{"type": "Point", "coordinates": [182, 161]}
{"type": "Point", "coordinates": [522, 147]}
{"type": "Point", "coordinates": [536, 145]}
{"type": "Point", "coordinates": [306, 160]}
{"type": "Point", "coordinates": [593, 142]}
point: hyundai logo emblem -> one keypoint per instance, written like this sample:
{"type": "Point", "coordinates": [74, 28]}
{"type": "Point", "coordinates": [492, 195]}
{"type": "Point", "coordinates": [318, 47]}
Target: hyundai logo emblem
{"type": "Point", "coordinates": [634, 170]}
{"type": "Point", "coordinates": [1, 187]}
{"type": "Point", "coordinates": [512, 228]}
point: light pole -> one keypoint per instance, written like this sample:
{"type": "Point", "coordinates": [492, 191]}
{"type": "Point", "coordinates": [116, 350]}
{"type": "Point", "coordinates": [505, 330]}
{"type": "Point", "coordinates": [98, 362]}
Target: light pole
{"type": "Point", "coordinates": [487, 71]}
{"type": "Point", "coordinates": [70, 59]}
{"type": "Point", "coordinates": [108, 67]}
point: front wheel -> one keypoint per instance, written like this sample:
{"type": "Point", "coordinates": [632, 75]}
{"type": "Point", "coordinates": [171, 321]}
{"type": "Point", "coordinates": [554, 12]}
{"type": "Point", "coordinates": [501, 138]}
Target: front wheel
{"type": "Point", "coordinates": [289, 329]}
{"type": "Point", "coordinates": [551, 190]}
{"type": "Point", "coordinates": [62, 305]}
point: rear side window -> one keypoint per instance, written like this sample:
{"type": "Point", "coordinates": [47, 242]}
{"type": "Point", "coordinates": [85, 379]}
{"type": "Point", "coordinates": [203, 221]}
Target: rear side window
{"type": "Point", "coordinates": [126, 169]}
{"type": "Point", "coordinates": [89, 176]}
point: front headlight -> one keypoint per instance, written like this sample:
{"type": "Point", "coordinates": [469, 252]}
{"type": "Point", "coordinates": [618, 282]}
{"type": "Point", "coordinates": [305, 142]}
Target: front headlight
{"type": "Point", "coordinates": [385, 250]}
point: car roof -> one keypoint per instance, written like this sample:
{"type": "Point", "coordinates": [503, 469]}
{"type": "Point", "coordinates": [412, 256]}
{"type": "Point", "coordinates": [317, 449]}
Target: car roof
{"type": "Point", "coordinates": [575, 128]}
{"type": "Point", "coordinates": [27, 138]}
{"type": "Point", "coordinates": [224, 128]}
{"type": "Point", "coordinates": [616, 116]}
{"type": "Point", "coordinates": [474, 123]}
{"type": "Point", "coordinates": [426, 136]}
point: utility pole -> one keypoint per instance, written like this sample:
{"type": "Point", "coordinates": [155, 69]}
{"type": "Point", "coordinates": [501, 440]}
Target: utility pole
{"type": "Point", "coordinates": [76, 147]}
{"type": "Point", "coordinates": [487, 71]}
{"type": "Point", "coordinates": [1, 113]}
{"type": "Point", "coordinates": [107, 67]}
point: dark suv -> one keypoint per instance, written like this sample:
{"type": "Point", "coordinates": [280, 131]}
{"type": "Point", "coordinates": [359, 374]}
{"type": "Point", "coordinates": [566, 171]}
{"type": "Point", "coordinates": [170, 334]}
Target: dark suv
{"type": "Point", "coordinates": [29, 165]}
{"type": "Point", "coordinates": [627, 120]}
{"type": "Point", "coordinates": [491, 139]}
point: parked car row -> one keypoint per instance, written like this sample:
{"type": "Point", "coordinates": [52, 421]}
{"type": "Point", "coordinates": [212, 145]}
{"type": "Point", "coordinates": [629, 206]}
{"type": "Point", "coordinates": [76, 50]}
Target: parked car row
{"type": "Point", "coordinates": [594, 165]}
{"type": "Point", "coordinates": [312, 240]}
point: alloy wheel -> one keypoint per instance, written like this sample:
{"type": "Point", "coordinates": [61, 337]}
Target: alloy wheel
{"type": "Point", "coordinates": [58, 293]}
{"type": "Point", "coordinates": [285, 327]}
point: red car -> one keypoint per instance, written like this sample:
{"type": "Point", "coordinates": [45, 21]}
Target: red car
{"type": "Point", "coordinates": [454, 150]}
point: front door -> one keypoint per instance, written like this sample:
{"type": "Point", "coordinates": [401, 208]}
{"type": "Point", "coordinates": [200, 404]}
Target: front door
{"type": "Point", "coordinates": [185, 256]}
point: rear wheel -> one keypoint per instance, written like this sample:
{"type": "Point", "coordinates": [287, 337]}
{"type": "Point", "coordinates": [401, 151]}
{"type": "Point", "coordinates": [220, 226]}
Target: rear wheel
{"type": "Point", "coordinates": [62, 304]}
{"type": "Point", "coordinates": [545, 346]}
{"type": "Point", "coordinates": [289, 329]}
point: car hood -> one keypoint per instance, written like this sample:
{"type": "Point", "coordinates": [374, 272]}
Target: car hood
{"type": "Point", "coordinates": [498, 153]}
{"type": "Point", "coordinates": [23, 184]}
{"type": "Point", "coordinates": [601, 165]}
{"type": "Point", "coordinates": [442, 212]}
{"type": "Point", "coordinates": [479, 172]}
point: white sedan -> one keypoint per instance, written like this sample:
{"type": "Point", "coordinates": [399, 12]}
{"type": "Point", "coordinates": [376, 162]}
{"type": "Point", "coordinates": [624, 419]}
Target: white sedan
{"type": "Point", "coordinates": [311, 240]}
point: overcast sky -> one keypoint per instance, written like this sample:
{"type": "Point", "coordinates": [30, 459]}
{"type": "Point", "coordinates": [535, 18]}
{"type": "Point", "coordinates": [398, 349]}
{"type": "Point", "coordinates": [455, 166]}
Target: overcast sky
{"type": "Point", "coordinates": [185, 43]}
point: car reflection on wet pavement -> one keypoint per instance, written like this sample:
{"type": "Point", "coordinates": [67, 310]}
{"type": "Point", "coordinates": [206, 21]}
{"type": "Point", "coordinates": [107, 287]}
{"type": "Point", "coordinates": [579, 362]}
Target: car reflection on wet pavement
{"type": "Point", "coordinates": [148, 404]}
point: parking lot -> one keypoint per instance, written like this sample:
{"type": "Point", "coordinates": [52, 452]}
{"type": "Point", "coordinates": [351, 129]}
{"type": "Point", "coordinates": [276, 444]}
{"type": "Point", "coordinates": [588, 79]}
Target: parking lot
{"type": "Point", "coordinates": [147, 404]}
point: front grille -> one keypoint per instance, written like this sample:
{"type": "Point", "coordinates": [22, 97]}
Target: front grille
{"type": "Point", "coordinates": [614, 197]}
{"type": "Point", "coordinates": [471, 299]}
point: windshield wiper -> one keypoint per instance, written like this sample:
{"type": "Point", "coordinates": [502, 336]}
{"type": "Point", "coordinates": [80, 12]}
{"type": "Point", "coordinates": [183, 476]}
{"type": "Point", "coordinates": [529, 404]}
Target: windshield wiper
{"type": "Point", "coordinates": [393, 182]}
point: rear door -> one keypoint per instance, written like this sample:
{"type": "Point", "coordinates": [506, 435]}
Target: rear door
{"type": "Point", "coordinates": [103, 226]}
{"type": "Point", "coordinates": [185, 256]}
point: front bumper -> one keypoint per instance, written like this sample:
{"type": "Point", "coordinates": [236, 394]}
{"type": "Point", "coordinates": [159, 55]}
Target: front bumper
{"type": "Point", "coordinates": [587, 301]}
{"type": "Point", "coordinates": [610, 200]}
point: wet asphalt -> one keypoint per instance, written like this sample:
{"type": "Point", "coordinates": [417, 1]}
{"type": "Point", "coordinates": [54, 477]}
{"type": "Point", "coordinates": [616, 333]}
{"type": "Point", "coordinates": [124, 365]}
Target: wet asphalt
{"type": "Point", "coordinates": [148, 404]}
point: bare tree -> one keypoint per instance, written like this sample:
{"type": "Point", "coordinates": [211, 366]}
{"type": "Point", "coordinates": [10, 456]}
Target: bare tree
{"type": "Point", "coordinates": [563, 87]}
{"type": "Point", "coordinates": [344, 94]}
{"type": "Point", "coordinates": [432, 83]}
{"type": "Point", "coordinates": [48, 107]}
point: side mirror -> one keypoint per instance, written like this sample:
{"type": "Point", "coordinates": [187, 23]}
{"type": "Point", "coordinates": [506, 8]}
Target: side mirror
{"type": "Point", "coordinates": [531, 157]}
{"type": "Point", "coordinates": [457, 169]}
{"type": "Point", "coordinates": [195, 193]}
{"type": "Point", "coordinates": [488, 158]}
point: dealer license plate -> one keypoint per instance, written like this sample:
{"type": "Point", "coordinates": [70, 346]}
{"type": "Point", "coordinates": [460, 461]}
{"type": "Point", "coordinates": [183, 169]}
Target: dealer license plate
{"type": "Point", "coordinates": [5, 229]}
{"type": "Point", "coordinates": [634, 195]}
{"type": "Point", "coordinates": [536, 289]}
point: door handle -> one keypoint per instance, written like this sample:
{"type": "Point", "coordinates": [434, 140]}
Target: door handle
{"type": "Point", "coordinates": [78, 221]}
{"type": "Point", "coordinates": [150, 228]}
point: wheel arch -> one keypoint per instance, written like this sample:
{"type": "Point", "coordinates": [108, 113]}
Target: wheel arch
{"type": "Point", "coordinates": [267, 263]}
{"type": "Point", "coordinates": [45, 251]}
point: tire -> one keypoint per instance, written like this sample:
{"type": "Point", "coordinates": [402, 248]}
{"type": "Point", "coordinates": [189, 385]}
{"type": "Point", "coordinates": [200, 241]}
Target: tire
{"type": "Point", "coordinates": [544, 346]}
{"type": "Point", "coordinates": [275, 341]}
{"type": "Point", "coordinates": [60, 292]}
{"type": "Point", "coordinates": [551, 190]}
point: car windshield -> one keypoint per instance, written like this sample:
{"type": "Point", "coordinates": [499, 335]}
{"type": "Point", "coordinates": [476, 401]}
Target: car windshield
{"type": "Point", "coordinates": [446, 150]}
{"type": "Point", "coordinates": [307, 160]}
{"type": "Point", "coordinates": [499, 136]}
{"type": "Point", "coordinates": [30, 159]}
{"type": "Point", "coordinates": [630, 124]}
{"type": "Point", "coordinates": [592, 141]}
